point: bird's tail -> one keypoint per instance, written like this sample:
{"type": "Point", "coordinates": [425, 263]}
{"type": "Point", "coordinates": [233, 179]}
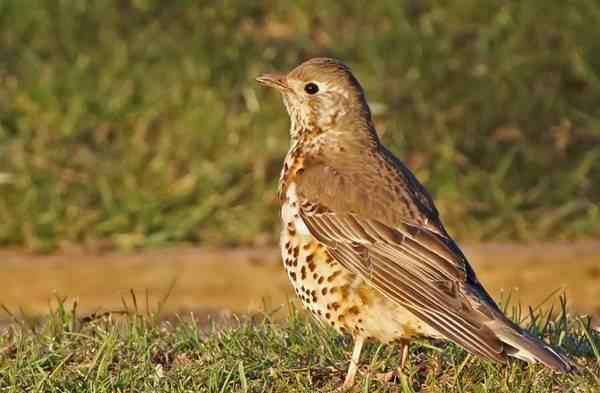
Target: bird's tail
{"type": "Point", "coordinates": [521, 345]}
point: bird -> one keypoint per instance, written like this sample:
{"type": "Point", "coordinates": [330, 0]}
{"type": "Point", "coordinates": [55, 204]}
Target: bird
{"type": "Point", "coordinates": [362, 242]}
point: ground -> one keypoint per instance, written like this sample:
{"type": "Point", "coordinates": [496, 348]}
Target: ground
{"type": "Point", "coordinates": [135, 352]}
{"type": "Point", "coordinates": [166, 321]}
{"type": "Point", "coordinates": [243, 280]}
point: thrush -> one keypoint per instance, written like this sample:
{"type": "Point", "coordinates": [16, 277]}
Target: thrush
{"type": "Point", "coordinates": [362, 241]}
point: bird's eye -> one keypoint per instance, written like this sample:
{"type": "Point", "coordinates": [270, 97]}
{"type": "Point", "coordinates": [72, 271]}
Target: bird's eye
{"type": "Point", "coordinates": [311, 88]}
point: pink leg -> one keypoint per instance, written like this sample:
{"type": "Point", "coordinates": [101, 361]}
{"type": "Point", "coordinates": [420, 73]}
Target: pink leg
{"type": "Point", "coordinates": [349, 381]}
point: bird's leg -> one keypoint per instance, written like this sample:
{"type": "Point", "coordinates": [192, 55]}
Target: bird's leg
{"type": "Point", "coordinates": [349, 381]}
{"type": "Point", "coordinates": [404, 347]}
{"type": "Point", "coordinates": [387, 377]}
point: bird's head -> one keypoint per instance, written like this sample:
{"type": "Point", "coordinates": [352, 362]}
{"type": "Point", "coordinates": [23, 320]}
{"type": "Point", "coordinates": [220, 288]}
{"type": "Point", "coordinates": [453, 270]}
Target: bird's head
{"type": "Point", "coordinates": [321, 95]}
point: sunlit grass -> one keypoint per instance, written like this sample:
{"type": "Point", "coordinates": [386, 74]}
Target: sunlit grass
{"type": "Point", "coordinates": [139, 123]}
{"type": "Point", "coordinates": [135, 351]}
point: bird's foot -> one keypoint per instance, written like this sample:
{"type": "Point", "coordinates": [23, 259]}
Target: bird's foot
{"type": "Point", "coordinates": [386, 377]}
{"type": "Point", "coordinates": [383, 378]}
{"type": "Point", "coordinates": [345, 388]}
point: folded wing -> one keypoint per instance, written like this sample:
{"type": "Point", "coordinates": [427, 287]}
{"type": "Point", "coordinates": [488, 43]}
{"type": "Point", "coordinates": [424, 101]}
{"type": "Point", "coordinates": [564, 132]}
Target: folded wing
{"type": "Point", "coordinates": [413, 267]}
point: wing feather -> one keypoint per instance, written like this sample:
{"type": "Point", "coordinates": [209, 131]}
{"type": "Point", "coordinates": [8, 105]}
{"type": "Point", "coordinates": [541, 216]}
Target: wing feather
{"type": "Point", "coordinates": [412, 267]}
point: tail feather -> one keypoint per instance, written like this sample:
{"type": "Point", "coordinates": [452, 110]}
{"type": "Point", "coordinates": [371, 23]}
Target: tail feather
{"type": "Point", "coordinates": [522, 345]}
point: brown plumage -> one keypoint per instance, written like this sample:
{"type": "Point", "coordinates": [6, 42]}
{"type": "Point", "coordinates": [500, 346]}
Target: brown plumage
{"type": "Point", "coordinates": [362, 241]}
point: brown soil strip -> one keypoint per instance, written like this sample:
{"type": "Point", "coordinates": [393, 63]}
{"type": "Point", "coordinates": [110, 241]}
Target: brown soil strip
{"type": "Point", "coordinates": [244, 280]}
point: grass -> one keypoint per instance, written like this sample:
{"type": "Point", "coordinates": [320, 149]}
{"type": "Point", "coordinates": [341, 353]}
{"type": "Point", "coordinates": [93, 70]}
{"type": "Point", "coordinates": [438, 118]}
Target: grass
{"type": "Point", "coordinates": [136, 352]}
{"type": "Point", "coordinates": [138, 123]}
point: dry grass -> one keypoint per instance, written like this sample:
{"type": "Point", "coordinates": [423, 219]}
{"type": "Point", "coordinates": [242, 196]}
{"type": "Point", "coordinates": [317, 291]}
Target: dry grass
{"type": "Point", "coordinates": [139, 353]}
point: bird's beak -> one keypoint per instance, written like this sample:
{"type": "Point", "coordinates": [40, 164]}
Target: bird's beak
{"type": "Point", "coordinates": [277, 81]}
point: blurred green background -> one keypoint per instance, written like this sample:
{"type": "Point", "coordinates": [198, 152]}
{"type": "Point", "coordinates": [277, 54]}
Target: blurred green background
{"type": "Point", "coordinates": [138, 123]}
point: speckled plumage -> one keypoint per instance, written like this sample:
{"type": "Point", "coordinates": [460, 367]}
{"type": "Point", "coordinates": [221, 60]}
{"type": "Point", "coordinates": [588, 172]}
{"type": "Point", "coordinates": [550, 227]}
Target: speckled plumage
{"type": "Point", "coordinates": [333, 294]}
{"type": "Point", "coordinates": [362, 241]}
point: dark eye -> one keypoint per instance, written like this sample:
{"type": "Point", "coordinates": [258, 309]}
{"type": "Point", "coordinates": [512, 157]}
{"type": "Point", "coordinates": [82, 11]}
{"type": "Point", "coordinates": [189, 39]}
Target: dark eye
{"type": "Point", "coordinates": [311, 88]}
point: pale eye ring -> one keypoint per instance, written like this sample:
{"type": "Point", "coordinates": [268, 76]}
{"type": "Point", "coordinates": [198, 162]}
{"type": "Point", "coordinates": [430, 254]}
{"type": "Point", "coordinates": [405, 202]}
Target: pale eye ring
{"type": "Point", "coordinates": [311, 88]}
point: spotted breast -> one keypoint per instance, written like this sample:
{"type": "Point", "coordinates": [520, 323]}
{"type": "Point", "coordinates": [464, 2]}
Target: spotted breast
{"type": "Point", "coordinates": [329, 291]}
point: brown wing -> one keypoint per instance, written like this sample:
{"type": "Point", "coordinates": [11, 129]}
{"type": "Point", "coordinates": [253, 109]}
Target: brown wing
{"type": "Point", "coordinates": [412, 268]}
{"type": "Point", "coordinates": [373, 223]}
